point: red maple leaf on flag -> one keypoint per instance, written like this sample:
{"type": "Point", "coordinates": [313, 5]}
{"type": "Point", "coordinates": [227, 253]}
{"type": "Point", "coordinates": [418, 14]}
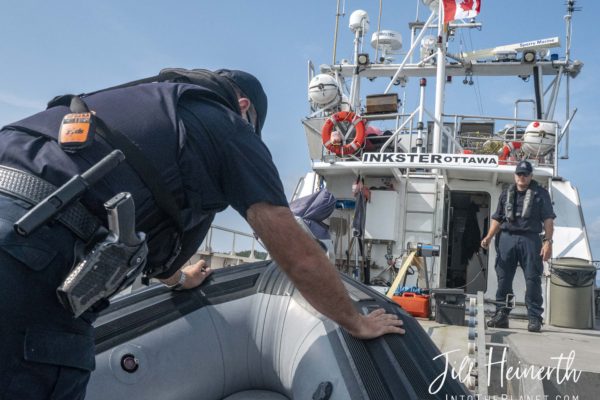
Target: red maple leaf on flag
{"type": "Point", "coordinates": [457, 9]}
{"type": "Point", "coordinates": [467, 5]}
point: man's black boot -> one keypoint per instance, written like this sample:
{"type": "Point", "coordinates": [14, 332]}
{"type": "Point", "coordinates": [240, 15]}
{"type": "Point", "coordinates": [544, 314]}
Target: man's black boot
{"type": "Point", "coordinates": [500, 320]}
{"type": "Point", "coordinates": [535, 324]}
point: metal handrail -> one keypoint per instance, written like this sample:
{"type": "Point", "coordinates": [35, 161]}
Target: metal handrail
{"type": "Point", "coordinates": [207, 243]}
{"type": "Point", "coordinates": [456, 142]}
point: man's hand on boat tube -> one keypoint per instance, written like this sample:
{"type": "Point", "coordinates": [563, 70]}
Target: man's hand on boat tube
{"type": "Point", "coordinates": [305, 263]}
{"type": "Point", "coordinates": [196, 274]}
{"type": "Point", "coordinates": [377, 323]}
{"type": "Point", "coordinates": [189, 277]}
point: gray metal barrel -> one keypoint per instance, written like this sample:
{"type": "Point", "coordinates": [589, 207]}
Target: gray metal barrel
{"type": "Point", "coordinates": [572, 293]}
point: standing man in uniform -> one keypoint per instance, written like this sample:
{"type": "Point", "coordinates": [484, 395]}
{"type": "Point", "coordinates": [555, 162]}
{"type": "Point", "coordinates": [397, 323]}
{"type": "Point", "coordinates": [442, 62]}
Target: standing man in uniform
{"type": "Point", "coordinates": [524, 209]}
{"type": "Point", "coordinates": [200, 132]}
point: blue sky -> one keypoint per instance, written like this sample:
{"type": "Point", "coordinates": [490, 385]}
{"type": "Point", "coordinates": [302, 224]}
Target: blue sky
{"type": "Point", "coordinates": [51, 48]}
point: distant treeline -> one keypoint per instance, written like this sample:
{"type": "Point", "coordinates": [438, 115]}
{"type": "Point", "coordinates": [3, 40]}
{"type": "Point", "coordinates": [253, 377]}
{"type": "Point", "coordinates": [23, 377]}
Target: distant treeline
{"type": "Point", "coordinates": [261, 255]}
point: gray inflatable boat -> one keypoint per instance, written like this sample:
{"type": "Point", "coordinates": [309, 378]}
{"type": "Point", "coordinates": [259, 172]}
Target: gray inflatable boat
{"type": "Point", "coordinates": [248, 334]}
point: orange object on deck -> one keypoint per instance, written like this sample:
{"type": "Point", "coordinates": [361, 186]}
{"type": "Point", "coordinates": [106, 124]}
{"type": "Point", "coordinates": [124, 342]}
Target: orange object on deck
{"type": "Point", "coordinates": [416, 305]}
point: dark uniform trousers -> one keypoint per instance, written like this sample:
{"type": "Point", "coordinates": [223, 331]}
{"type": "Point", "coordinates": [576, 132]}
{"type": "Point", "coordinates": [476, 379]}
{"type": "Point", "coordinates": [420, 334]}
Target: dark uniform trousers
{"type": "Point", "coordinates": [44, 352]}
{"type": "Point", "coordinates": [520, 248]}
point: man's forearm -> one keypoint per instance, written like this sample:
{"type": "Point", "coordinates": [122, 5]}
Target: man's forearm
{"type": "Point", "coordinates": [494, 228]}
{"type": "Point", "coordinates": [546, 251]}
{"type": "Point", "coordinates": [305, 263]}
{"type": "Point", "coordinates": [548, 228]}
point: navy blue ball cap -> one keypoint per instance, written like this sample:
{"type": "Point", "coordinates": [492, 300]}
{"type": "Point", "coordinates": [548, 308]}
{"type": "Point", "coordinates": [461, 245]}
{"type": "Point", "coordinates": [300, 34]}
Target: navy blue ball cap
{"type": "Point", "coordinates": [253, 90]}
{"type": "Point", "coordinates": [524, 167]}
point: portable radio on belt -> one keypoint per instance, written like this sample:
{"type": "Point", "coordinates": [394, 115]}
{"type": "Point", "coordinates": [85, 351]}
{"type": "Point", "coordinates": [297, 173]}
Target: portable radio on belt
{"type": "Point", "coordinates": [77, 131]}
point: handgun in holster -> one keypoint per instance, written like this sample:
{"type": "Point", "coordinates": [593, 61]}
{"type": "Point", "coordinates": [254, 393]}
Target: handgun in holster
{"type": "Point", "coordinates": [113, 262]}
{"type": "Point", "coordinates": [111, 265]}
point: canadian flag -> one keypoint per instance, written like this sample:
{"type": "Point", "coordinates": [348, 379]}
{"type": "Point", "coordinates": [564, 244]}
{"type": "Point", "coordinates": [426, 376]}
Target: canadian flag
{"type": "Point", "coordinates": [459, 9]}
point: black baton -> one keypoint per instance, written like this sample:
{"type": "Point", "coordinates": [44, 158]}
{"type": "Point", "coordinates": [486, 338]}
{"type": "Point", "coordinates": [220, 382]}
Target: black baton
{"type": "Point", "coordinates": [47, 209]}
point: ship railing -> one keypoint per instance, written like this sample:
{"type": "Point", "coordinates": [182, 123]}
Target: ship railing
{"type": "Point", "coordinates": [206, 251]}
{"type": "Point", "coordinates": [419, 128]}
{"type": "Point", "coordinates": [390, 125]}
{"type": "Point", "coordinates": [220, 234]}
{"type": "Point", "coordinates": [461, 133]}
{"type": "Point", "coordinates": [479, 135]}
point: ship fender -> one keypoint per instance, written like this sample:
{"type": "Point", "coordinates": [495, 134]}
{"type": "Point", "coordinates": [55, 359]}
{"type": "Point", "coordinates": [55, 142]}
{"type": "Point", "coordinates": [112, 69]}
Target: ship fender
{"type": "Point", "coordinates": [333, 139]}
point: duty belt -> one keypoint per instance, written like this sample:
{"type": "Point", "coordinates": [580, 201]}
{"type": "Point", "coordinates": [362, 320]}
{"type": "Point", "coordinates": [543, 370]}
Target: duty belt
{"type": "Point", "coordinates": [32, 189]}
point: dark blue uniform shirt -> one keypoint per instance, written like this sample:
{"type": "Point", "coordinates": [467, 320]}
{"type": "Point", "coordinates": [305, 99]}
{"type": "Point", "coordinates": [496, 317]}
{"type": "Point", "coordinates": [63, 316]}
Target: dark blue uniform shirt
{"type": "Point", "coordinates": [224, 162]}
{"type": "Point", "coordinates": [540, 211]}
{"type": "Point", "coordinates": [208, 156]}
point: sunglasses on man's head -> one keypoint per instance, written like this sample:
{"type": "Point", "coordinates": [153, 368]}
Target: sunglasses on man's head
{"type": "Point", "coordinates": [522, 174]}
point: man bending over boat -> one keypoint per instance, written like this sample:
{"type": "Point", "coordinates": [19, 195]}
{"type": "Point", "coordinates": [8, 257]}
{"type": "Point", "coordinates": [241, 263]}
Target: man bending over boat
{"type": "Point", "coordinates": [192, 148]}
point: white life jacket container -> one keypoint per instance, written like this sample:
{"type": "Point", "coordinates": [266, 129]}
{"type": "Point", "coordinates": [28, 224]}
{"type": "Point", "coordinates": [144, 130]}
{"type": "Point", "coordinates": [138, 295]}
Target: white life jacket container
{"type": "Point", "coordinates": [539, 138]}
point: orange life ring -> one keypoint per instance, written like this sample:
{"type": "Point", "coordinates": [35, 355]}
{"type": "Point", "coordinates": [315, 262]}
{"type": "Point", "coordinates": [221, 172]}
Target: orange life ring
{"type": "Point", "coordinates": [508, 150]}
{"type": "Point", "coordinates": [338, 148]}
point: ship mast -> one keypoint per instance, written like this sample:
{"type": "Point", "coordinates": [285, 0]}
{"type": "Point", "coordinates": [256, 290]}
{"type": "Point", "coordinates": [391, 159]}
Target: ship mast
{"type": "Point", "coordinates": [337, 23]}
{"type": "Point", "coordinates": [440, 81]}
{"type": "Point", "coordinates": [568, 22]}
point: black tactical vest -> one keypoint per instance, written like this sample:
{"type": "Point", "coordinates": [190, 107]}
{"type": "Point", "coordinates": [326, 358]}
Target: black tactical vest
{"type": "Point", "coordinates": [147, 115]}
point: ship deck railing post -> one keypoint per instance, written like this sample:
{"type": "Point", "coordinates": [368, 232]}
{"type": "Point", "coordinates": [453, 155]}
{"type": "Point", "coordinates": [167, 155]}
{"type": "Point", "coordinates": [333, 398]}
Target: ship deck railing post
{"type": "Point", "coordinates": [446, 131]}
{"type": "Point", "coordinates": [397, 132]}
{"type": "Point", "coordinates": [517, 102]}
{"type": "Point", "coordinates": [423, 85]}
{"type": "Point", "coordinates": [232, 252]}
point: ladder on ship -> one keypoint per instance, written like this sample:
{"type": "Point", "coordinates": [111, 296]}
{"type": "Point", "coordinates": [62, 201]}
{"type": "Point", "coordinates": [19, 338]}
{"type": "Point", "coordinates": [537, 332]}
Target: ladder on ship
{"type": "Point", "coordinates": [420, 212]}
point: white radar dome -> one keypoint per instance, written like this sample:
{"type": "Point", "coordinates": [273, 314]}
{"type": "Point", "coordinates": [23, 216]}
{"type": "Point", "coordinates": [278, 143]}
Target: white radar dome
{"type": "Point", "coordinates": [389, 40]}
{"type": "Point", "coordinates": [324, 91]}
{"type": "Point", "coordinates": [359, 22]}
{"type": "Point", "coordinates": [539, 138]}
